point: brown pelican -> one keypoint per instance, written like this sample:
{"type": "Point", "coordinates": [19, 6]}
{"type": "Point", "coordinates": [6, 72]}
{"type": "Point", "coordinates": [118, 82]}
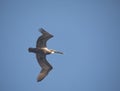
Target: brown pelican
{"type": "Point", "coordinates": [41, 51]}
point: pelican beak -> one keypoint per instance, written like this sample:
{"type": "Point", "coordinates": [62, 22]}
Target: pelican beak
{"type": "Point", "coordinates": [58, 52]}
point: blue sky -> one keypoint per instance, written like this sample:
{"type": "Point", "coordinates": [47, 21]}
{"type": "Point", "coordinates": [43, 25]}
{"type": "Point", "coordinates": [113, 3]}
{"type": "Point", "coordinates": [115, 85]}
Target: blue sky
{"type": "Point", "coordinates": [88, 32]}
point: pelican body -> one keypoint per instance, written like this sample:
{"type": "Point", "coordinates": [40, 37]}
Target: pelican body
{"type": "Point", "coordinates": [41, 51]}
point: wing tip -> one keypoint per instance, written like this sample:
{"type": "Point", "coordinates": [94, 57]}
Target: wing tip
{"type": "Point", "coordinates": [43, 74]}
{"type": "Point", "coordinates": [38, 80]}
{"type": "Point", "coordinates": [40, 77]}
{"type": "Point", "coordinates": [43, 31]}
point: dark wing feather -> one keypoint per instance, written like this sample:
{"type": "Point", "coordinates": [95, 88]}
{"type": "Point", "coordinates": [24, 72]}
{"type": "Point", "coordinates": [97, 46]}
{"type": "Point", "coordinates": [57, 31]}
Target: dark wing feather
{"type": "Point", "coordinates": [41, 42]}
{"type": "Point", "coordinates": [46, 67]}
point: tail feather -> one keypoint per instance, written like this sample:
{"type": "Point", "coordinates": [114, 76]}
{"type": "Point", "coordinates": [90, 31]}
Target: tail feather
{"type": "Point", "coordinates": [31, 49]}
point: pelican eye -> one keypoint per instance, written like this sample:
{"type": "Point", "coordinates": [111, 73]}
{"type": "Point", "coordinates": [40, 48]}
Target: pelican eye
{"type": "Point", "coordinates": [52, 52]}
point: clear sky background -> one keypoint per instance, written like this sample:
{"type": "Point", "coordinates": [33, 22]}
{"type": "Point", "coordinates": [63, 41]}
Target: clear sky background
{"type": "Point", "coordinates": [88, 32]}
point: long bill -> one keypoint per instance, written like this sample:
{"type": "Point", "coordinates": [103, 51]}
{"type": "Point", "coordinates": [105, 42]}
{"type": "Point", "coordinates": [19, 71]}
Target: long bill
{"type": "Point", "coordinates": [58, 52]}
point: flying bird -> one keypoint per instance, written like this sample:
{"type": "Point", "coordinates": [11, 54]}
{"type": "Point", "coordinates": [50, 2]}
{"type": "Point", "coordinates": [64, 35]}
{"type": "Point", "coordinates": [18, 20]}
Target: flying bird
{"type": "Point", "coordinates": [41, 51]}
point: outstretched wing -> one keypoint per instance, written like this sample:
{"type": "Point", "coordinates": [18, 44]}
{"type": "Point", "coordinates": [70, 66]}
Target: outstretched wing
{"type": "Point", "coordinates": [46, 67]}
{"type": "Point", "coordinates": [41, 42]}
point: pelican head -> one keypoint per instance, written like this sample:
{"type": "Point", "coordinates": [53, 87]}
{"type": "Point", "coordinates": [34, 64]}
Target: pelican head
{"type": "Point", "coordinates": [54, 51]}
